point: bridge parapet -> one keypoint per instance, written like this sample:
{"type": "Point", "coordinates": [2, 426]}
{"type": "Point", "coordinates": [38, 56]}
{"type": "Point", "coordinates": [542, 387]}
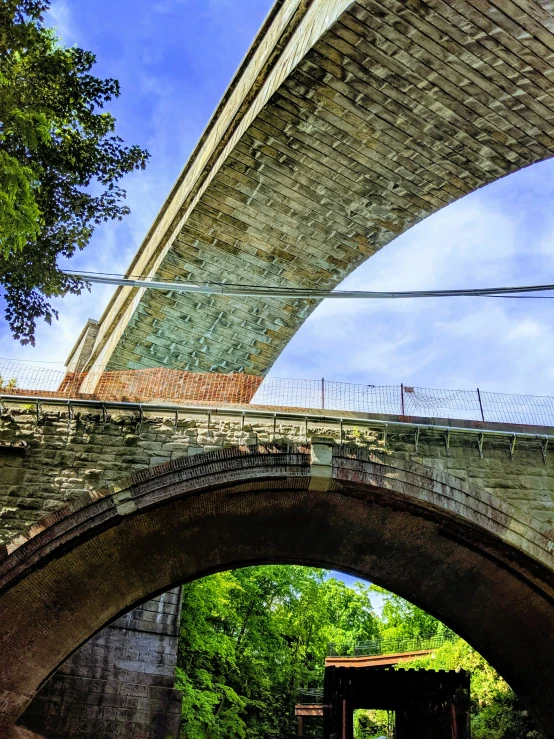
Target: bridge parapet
{"type": "Point", "coordinates": [53, 451]}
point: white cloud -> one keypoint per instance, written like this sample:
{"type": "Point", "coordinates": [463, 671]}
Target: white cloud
{"type": "Point", "coordinates": [60, 17]}
{"type": "Point", "coordinates": [527, 329]}
{"type": "Point", "coordinates": [505, 345]}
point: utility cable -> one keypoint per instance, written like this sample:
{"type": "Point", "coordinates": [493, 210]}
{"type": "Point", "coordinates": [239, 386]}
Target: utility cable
{"type": "Point", "coordinates": [301, 293]}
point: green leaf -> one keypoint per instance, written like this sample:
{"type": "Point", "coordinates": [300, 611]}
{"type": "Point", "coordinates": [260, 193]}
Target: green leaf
{"type": "Point", "coordinates": [56, 142]}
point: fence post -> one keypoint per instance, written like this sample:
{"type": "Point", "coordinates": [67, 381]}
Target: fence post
{"type": "Point", "coordinates": [323, 393]}
{"type": "Point", "coordinates": [480, 404]}
{"type": "Point", "coordinates": [402, 398]}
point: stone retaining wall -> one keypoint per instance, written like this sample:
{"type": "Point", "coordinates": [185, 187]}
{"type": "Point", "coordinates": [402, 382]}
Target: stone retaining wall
{"type": "Point", "coordinates": [120, 683]}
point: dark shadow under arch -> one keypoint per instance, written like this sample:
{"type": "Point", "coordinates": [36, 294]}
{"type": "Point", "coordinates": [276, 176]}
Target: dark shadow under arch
{"type": "Point", "coordinates": [483, 567]}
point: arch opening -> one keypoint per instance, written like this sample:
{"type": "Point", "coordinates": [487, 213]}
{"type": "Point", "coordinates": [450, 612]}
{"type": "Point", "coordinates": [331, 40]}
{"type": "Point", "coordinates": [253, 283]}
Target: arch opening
{"type": "Point", "coordinates": [477, 564]}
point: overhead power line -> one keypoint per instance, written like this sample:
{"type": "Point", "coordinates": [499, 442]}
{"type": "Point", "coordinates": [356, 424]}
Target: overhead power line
{"type": "Point", "coordinates": [263, 291]}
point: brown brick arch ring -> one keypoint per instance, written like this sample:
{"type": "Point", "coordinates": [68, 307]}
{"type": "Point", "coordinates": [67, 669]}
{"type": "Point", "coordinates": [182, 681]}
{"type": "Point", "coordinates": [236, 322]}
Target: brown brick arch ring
{"type": "Point", "coordinates": [482, 566]}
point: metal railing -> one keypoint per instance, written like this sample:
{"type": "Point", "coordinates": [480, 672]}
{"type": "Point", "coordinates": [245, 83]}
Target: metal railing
{"type": "Point", "coordinates": [311, 696]}
{"type": "Point", "coordinates": [375, 647]}
{"type": "Point", "coordinates": [164, 385]}
{"type": "Point", "coordinates": [408, 401]}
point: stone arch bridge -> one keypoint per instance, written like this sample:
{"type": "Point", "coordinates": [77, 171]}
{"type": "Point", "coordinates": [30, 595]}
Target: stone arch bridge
{"type": "Point", "coordinates": [459, 522]}
{"type": "Point", "coordinates": [347, 123]}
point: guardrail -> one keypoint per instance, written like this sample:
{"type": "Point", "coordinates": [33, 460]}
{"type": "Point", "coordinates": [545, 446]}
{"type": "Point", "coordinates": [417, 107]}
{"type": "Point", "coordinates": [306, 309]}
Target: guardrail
{"type": "Point", "coordinates": [311, 696]}
{"type": "Point", "coordinates": [408, 401]}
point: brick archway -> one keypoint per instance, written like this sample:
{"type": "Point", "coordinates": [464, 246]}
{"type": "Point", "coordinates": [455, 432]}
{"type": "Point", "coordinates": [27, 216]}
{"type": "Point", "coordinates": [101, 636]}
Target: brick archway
{"type": "Point", "coordinates": [482, 566]}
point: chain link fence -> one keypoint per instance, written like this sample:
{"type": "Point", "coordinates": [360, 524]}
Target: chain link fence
{"type": "Point", "coordinates": [164, 385]}
{"type": "Point", "coordinates": [311, 696]}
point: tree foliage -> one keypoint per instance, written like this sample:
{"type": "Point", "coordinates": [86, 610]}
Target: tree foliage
{"type": "Point", "coordinates": [60, 161]}
{"type": "Point", "coordinates": [497, 713]}
{"type": "Point", "coordinates": [372, 724]}
{"type": "Point", "coordinates": [252, 639]}
{"type": "Point", "coordinates": [400, 619]}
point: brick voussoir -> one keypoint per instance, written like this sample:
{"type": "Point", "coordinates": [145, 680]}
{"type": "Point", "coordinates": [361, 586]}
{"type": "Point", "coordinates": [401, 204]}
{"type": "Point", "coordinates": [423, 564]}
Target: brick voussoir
{"type": "Point", "coordinates": [180, 477]}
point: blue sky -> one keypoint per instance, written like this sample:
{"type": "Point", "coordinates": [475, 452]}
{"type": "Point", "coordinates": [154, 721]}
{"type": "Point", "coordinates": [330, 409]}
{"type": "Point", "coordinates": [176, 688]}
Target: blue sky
{"type": "Point", "coordinates": [174, 59]}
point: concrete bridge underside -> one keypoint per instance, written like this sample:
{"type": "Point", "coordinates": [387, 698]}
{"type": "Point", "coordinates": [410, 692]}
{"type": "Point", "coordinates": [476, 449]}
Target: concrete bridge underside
{"type": "Point", "coordinates": [347, 124]}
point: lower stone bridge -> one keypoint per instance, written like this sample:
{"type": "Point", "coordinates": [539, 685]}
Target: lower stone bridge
{"type": "Point", "coordinates": [105, 505]}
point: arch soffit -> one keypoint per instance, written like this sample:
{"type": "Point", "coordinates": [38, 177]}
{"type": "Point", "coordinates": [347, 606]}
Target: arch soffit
{"type": "Point", "coordinates": [369, 122]}
{"type": "Point", "coordinates": [459, 533]}
{"type": "Point", "coordinates": [421, 487]}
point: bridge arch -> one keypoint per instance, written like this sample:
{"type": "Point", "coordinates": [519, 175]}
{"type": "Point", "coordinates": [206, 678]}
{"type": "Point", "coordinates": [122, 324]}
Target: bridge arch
{"type": "Point", "coordinates": [348, 123]}
{"type": "Point", "coordinates": [481, 565]}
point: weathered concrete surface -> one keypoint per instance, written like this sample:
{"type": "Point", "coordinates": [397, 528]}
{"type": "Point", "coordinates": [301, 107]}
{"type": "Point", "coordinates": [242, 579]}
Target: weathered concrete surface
{"type": "Point", "coordinates": [473, 558]}
{"type": "Point", "coordinates": [348, 124]}
{"type": "Point", "coordinates": [120, 683]}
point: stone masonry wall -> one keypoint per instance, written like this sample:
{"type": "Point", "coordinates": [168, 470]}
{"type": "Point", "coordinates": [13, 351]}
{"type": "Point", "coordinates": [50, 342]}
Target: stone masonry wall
{"type": "Point", "coordinates": [66, 456]}
{"type": "Point", "coordinates": [369, 125]}
{"type": "Point", "coordinates": [120, 683]}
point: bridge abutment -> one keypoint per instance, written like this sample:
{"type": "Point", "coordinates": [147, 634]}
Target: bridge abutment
{"type": "Point", "coordinates": [120, 683]}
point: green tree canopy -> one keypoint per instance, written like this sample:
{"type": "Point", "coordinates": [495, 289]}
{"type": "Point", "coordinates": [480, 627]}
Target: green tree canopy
{"type": "Point", "coordinates": [496, 711]}
{"type": "Point", "coordinates": [253, 639]}
{"type": "Point", "coordinates": [60, 161]}
{"type": "Point", "coordinates": [402, 620]}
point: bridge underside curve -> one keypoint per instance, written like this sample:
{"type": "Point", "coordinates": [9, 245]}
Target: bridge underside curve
{"type": "Point", "coordinates": [478, 564]}
{"type": "Point", "coordinates": [348, 124]}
